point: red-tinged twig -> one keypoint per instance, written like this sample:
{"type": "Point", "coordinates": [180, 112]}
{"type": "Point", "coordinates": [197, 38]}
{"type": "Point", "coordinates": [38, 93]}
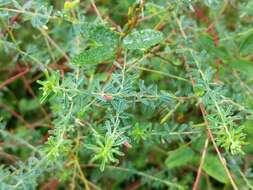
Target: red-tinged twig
{"type": "Point", "coordinates": [54, 184]}
{"type": "Point", "coordinates": [51, 185]}
{"type": "Point", "coordinates": [62, 73]}
{"type": "Point", "coordinates": [211, 30]}
{"type": "Point", "coordinates": [196, 182]}
{"type": "Point", "coordinates": [133, 186]}
{"type": "Point", "coordinates": [210, 135]}
{"type": "Point", "coordinates": [204, 114]}
{"type": "Point", "coordinates": [12, 79]}
{"type": "Point", "coordinates": [16, 115]}
{"type": "Point", "coordinates": [8, 157]}
{"type": "Point", "coordinates": [217, 75]}
{"type": "Point", "coordinates": [60, 66]}
{"type": "Point", "coordinates": [13, 20]}
{"type": "Point", "coordinates": [10, 69]}
{"type": "Point", "coordinates": [221, 158]}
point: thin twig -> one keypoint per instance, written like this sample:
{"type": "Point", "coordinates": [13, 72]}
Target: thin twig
{"type": "Point", "coordinates": [16, 115]}
{"type": "Point", "coordinates": [204, 114]}
{"type": "Point", "coordinates": [55, 44]}
{"type": "Point", "coordinates": [96, 10]}
{"type": "Point", "coordinates": [167, 116]}
{"type": "Point", "coordinates": [150, 177]}
{"type": "Point", "coordinates": [12, 79]}
{"type": "Point", "coordinates": [196, 182]}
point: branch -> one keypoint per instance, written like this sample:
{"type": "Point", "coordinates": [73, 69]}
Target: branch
{"type": "Point", "coordinates": [195, 185]}
{"type": "Point", "coordinates": [12, 79]}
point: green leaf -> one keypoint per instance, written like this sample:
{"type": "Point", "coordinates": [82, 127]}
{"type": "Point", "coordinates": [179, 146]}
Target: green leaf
{"type": "Point", "coordinates": [206, 42]}
{"type": "Point", "coordinates": [221, 52]}
{"type": "Point", "coordinates": [179, 157]}
{"type": "Point", "coordinates": [246, 46]}
{"type": "Point", "coordinates": [41, 16]}
{"type": "Point", "coordinates": [102, 35]}
{"type": "Point", "coordinates": [213, 167]}
{"type": "Point", "coordinates": [242, 66]}
{"type": "Point", "coordinates": [94, 56]}
{"type": "Point", "coordinates": [103, 46]}
{"type": "Point", "coordinates": [143, 39]}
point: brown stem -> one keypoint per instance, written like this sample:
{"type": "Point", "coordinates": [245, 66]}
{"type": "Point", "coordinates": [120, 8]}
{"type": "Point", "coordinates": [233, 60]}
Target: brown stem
{"type": "Point", "coordinates": [195, 185]}
{"type": "Point", "coordinates": [12, 79]}
{"type": "Point", "coordinates": [16, 114]}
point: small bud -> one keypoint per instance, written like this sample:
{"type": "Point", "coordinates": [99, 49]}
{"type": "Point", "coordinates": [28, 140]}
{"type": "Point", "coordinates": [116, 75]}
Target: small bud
{"type": "Point", "coordinates": [127, 144]}
{"type": "Point", "coordinates": [107, 97]}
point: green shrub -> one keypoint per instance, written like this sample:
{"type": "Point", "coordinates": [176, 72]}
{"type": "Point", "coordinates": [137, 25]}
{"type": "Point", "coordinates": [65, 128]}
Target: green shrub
{"type": "Point", "coordinates": [127, 94]}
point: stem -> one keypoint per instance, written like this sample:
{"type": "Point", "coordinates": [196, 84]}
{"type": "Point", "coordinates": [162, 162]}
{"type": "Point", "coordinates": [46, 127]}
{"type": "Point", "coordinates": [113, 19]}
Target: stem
{"type": "Point", "coordinates": [195, 185]}
{"type": "Point", "coordinates": [204, 113]}
{"type": "Point", "coordinates": [13, 78]}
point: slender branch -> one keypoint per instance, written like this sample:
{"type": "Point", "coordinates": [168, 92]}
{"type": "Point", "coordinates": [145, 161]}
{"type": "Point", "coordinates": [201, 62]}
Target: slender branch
{"type": "Point", "coordinates": [12, 79]}
{"type": "Point", "coordinates": [165, 182]}
{"type": "Point", "coordinates": [16, 115]}
{"type": "Point", "coordinates": [196, 182]}
{"type": "Point", "coordinates": [167, 116]}
{"type": "Point", "coordinates": [55, 44]}
{"type": "Point", "coordinates": [96, 10]}
{"type": "Point", "coordinates": [28, 13]}
{"type": "Point", "coordinates": [204, 114]}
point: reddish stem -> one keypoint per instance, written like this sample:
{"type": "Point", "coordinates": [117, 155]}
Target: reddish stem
{"type": "Point", "coordinates": [16, 114]}
{"type": "Point", "coordinates": [12, 79]}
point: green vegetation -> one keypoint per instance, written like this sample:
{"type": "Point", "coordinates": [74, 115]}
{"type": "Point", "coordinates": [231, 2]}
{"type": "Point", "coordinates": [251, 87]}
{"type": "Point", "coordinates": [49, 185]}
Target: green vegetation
{"type": "Point", "coordinates": [128, 94]}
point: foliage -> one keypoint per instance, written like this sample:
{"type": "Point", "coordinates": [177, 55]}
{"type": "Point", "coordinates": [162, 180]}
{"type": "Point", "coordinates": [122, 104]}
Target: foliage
{"type": "Point", "coordinates": [134, 94]}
